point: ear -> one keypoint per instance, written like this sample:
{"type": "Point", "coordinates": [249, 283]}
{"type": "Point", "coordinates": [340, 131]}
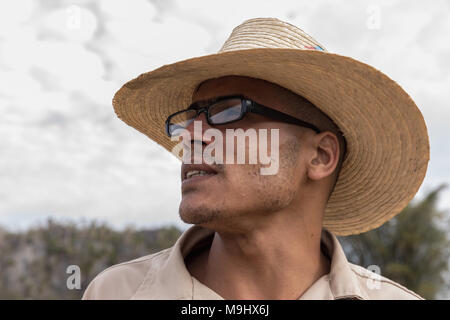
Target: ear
{"type": "Point", "coordinates": [325, 156]}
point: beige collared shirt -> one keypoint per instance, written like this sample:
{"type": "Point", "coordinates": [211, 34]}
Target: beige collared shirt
{"type": "Point", "coordinates": [164, 275]}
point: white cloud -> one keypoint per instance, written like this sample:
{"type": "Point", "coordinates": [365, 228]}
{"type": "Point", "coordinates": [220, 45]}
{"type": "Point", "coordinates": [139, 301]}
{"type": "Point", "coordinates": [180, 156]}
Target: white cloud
{"type": "Point", "coordinates": [64, 152]}
{"type": "Point", "coordinates": [137, 10]}
{"type": "Point", "coordinates": [72, 23]}
{"type": "Point", "coordinates": [14, 13]}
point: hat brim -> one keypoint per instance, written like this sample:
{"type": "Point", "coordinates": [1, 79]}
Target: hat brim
{"type": "Point", "coordinates": [387, 139]}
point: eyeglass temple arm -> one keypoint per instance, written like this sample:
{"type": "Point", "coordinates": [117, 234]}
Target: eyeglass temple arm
{"type": "Point", "coordinates": [278, 115]}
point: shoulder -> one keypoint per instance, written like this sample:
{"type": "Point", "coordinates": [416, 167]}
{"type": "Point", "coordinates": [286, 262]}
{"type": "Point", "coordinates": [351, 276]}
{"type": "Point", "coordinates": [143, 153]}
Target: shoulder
{"type": "Point", "coordinates": [122, 280]}
{"type": "Point", "coordinates": [378, 287]}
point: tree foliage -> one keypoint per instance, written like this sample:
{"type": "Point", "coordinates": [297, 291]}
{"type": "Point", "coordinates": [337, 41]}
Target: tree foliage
{"type": "Point", "coordinates": [411, 249]}
{"type": "Point", "coordinates": [33, 263]}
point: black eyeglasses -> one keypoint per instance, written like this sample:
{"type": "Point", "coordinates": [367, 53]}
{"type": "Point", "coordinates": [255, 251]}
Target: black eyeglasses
{"type": "Point", "coordinates": [224, 110]}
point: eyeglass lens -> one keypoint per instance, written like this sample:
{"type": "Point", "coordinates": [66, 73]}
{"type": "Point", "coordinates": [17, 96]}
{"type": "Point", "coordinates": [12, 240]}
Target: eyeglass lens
{"type": "Point", "coordinates": [220, 112]}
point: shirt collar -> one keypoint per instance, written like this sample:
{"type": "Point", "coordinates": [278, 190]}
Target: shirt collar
{"type": "Point", "coordinates": [343, 281]}
{"type": "Point", "coordinates": [168, 277]}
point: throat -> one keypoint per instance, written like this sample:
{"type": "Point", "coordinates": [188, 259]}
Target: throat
{"type": "Point", "coordinates": [197, 259]}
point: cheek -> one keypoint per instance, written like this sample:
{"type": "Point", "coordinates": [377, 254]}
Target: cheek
{"type": "Point", "coordinates": [241, 177]}
{"type": "Point", "coordinates": [290, 170]}
{"type": "Point", "coordinates": [245, 180]}
{"type": "Point", "coordinates": [290, 156]}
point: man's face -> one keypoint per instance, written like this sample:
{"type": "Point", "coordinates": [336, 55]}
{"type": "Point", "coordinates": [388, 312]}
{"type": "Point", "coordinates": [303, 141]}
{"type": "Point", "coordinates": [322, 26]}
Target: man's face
{"type": "Point", "coordinates": [238, 196]}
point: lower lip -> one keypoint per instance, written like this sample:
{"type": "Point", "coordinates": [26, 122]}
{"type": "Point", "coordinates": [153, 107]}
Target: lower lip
{"type": "Point", "coordinates": [196, 179]}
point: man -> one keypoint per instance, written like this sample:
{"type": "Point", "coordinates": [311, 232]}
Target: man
{"type": "Point", "coordinates": [352, 151]}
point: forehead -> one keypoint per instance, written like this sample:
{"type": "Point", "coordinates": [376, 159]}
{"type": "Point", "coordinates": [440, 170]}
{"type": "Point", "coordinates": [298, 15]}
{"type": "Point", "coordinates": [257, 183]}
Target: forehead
{"type": "Point", "coordinates": [259, 90]}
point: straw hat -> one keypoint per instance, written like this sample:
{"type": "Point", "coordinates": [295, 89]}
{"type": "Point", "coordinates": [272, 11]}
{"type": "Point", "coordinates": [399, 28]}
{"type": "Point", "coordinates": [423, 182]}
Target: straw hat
{"type": "Point", "coordinates": [387, 139]}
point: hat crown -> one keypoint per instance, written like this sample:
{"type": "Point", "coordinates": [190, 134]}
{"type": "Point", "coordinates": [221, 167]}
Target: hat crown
{"type": "Point", "coordinates": [269, 33]}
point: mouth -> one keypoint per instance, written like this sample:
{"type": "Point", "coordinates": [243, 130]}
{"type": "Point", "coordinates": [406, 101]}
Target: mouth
{"type": "Point", "coordinates": [196, 172]}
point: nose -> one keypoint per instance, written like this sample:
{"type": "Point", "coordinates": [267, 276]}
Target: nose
{"type": "Point", "coordinates": [197, 137]}
{"type": "Point", "coordinates": [204, 125]}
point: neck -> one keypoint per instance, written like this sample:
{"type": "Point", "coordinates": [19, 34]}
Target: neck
{"type": "Point", "coordinates": [277, 259]}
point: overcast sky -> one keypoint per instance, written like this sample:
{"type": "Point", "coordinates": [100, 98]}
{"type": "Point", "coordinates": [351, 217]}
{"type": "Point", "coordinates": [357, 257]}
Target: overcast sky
{"type": "Point", "coordinates": [63, 152]}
